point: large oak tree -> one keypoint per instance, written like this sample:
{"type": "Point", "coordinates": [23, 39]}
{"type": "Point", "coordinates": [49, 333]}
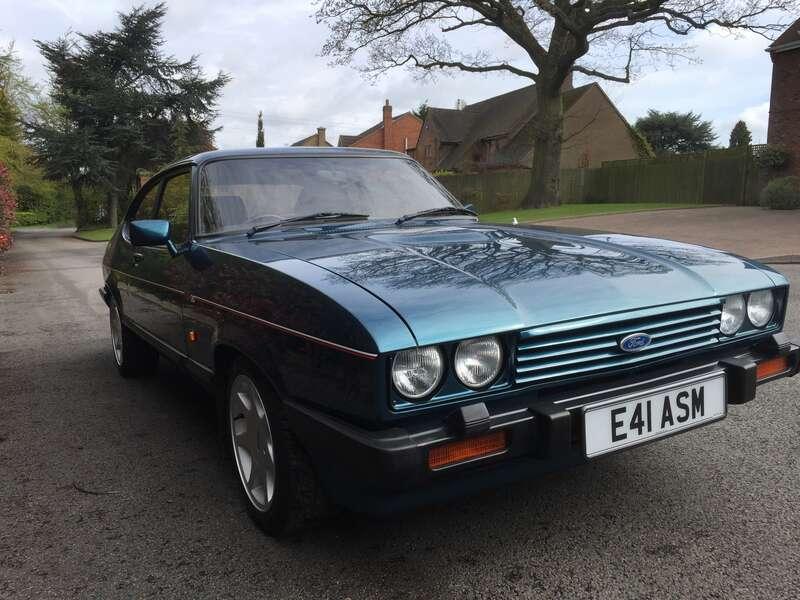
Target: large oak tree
{"type": "Point", "coordinates": [598, 38]}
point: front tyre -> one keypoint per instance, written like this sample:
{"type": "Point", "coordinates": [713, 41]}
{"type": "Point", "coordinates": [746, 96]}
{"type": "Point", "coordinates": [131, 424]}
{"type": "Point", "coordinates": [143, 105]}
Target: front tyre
{"type": "Point", "coordinates": [132, 355]}
{"type": "Point", "coordinates": [277, 481]}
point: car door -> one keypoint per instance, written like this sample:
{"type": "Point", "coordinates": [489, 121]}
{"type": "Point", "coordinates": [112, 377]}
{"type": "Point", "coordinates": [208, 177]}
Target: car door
{"type": "Point", "coordinates": [167, 275]}
{"type": "Point", "coordinates": [131, 282]}
{"type": "Point", "coordinates": [152, 282]}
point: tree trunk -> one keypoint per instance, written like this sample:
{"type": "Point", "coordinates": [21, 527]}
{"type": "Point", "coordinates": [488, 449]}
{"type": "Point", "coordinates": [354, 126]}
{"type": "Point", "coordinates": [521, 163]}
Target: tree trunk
{"type": "Point", "coordinates": [547, 125]}
{"type": "Point", "coordinates": [81, 218]}
{"type": "Point", "coordinates": [113, 208]}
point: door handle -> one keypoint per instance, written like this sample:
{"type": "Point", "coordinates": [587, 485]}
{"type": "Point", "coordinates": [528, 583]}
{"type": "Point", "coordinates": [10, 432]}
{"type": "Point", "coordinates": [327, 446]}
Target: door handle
{"type": "Point", "coordinates": [137, 257]}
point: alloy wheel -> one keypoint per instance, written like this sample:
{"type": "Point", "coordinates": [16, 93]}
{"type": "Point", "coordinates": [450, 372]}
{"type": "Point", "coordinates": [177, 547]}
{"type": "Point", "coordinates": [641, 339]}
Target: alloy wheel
{"type": "Point", "coordinates": [116, 334]}
{"type": "Point", "coordinates": [251, 436]}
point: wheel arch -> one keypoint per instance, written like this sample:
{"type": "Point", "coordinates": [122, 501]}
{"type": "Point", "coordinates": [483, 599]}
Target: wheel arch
{"type": "Point", "coordinates": [226, 354]}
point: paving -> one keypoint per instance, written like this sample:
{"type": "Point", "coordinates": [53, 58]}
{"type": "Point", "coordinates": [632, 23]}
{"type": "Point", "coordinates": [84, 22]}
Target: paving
{"type": "Point", "coordinates": [744, 230]}
{"type": "Point", "coordinates": [118, 489]}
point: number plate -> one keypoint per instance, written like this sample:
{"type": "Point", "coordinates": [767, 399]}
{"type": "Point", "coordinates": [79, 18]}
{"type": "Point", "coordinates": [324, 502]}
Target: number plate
{"type": "Point", "coordinates": [629, 420]}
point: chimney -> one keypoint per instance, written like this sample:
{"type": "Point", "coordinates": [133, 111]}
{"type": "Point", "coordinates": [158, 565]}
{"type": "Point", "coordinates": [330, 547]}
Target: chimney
{"type": "Point", "coordinates": [567, 85]}
{"type": "Point", "coordinates": [387, 126]}
{"type": "Point", "coordinates": [321, 136]}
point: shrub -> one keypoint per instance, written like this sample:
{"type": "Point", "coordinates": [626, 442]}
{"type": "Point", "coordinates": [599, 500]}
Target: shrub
{"type": "Point", "coordinates": [28, 218]}
{"type": "Point", "coordinates": [28, 199]}
{"type": "Point", "coordinates": [771, 158]}
{"type": "Point", "coordinates": [782, 194]}
{"type": "Point", "coordinates": [8, 204]}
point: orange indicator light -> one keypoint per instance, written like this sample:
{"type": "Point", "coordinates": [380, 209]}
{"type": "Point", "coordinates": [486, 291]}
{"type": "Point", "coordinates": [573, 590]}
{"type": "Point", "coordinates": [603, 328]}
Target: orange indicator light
{"type": "Point", "coordinates": [771, 367]}
{"type": "Point", "coordinates": [469, 449]}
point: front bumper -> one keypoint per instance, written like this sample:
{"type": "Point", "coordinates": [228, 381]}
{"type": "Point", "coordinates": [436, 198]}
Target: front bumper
{"type": "Point", "coordinates": [387, 470]}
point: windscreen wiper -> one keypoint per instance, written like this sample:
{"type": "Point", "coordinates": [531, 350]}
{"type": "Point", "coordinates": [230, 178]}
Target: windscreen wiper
{"type": "Point", "coordinates": [442, 210]}
{"type": "Point", "coordinates": [320, 216]}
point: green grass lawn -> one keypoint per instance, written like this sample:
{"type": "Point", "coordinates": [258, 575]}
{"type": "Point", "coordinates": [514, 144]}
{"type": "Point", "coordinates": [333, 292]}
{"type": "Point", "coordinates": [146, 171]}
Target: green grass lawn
{"type": "Point", "coordinates": [95, 235]}
{"type": "Point", "coordinates": [565, 211]}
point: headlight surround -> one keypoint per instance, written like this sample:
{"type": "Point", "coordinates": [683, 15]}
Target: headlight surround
{"type": "Point", "coordinates": [760, 307]}
{"type": "Point", "coordinates": [478, 361]}
{"type": "Point", "coordinates": [733, 313]}
{"type": "Point", "coordinates": [417, 372]}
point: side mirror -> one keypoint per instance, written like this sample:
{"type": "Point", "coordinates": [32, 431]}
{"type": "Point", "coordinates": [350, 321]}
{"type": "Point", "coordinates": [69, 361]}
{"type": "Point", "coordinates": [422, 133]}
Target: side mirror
{"type": "Point", "coordinates": [471, 207]}
{"type": "Point", "coordinates": [151, 232]}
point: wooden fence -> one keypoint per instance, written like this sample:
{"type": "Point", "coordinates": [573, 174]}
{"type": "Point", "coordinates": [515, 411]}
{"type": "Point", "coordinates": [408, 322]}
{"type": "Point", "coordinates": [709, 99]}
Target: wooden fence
{"type": "Point", "coordinates": [713, 177]}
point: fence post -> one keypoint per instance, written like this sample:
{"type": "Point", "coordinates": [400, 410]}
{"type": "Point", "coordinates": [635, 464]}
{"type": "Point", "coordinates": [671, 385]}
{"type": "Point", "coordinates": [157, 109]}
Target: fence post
{"type": "Point", "coordinates": [702, 198]}
{"type": "Point", "coordinates": [745, 175]}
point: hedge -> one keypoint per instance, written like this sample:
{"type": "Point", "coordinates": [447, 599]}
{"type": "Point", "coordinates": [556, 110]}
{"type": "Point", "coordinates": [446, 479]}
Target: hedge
{"type": "Point", "coordinates": [28, 218]}
{"type": "Point", "coordinates": [8, 205]}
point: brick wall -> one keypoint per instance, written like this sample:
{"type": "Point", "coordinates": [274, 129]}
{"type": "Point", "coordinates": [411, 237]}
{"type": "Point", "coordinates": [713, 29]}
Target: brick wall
{"type": "Point", "coordinates": [594, 132]}
{"type": "Point", "coordinates": [784, 112]}
{"type": "Point", "coordinates": [404, 129]}
{"type": "Point", "coordinates": [405, 132]}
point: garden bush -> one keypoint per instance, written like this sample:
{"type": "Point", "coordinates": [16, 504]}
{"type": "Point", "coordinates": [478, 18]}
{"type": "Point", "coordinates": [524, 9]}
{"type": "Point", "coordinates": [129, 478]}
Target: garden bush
{"type": "Point", "coordinates": [772, 158]}
{"type": "Point", "coordinates": [27, 218]}
{"type": "Point", "coordinates": [782, 194]}
{"type": "Point", "coordinates": [8, 205]}
{"type": "Point", "coordinates": [28, 199]}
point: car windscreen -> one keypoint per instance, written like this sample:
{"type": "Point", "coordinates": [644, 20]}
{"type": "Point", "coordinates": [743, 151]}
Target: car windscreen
{"type": "Point", "coordinates": [238, 194]}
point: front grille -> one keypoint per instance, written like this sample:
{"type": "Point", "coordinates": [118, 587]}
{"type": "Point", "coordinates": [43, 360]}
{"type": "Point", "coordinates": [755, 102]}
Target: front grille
{"type": "Point", "coordinates": [565, 350]}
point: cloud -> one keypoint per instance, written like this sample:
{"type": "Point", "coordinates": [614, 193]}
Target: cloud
{"type": "Point", "coordinates": [732, 75]}
{"type": "Point", "coordinates": [271, 49]}
{"type": "Point", "coordinates": [757, 119]}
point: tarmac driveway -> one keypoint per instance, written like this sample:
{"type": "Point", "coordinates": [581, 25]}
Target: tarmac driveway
{"type": "Point", "coordinates": [113, 488]}
{"type": "Point", "coordinates": [744, 230]}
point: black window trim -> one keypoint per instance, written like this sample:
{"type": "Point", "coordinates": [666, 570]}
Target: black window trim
{"type": "Point", "coordinates": [171, 174]}
{"type": "Point", "coordinates": [158, 180]}
{"type": "Point", "coordinates": [142, 194]}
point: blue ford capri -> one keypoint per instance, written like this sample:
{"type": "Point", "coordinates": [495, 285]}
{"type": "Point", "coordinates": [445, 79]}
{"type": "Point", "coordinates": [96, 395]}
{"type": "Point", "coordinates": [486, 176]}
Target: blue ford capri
{"type": "Point", "coordinates": [372, 345]}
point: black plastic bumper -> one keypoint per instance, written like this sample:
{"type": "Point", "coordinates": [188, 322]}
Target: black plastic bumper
{"type": "Point", "coordinates": [105, 294]}
{"type": "Point", "coordinates": [387, 470]}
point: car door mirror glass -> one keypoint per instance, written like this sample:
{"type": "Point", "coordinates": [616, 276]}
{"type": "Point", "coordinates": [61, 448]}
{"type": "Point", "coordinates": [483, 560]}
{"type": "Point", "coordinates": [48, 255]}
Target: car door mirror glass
{"type": "Point", "coordinates": [151, 232]}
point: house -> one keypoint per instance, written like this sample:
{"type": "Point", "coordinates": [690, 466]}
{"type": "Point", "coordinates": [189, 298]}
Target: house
{"type": "Point", "coordinates": [784, 107]}
{"type": "Point", "coordinates": [315, 140]}
{"type": "Point", "coordinates": [497, 132]}
{"type": "Point", "coordinates": [398, 133]}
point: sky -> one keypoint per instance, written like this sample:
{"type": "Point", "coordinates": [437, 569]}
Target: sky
{"type": "Point", "coordinates": [271, 48]}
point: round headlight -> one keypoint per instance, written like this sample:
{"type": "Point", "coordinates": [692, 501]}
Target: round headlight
{"type": "Point", "coordinates": [417, 372]}
{"type": "Point", "coordinates": [760, 307]}
{"type": "Point", "coordinates": [478, 361]}
{"type": "Point", "coordinates": [733, 310]}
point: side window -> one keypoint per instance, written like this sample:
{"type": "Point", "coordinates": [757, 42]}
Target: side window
{"type": "Point", "coordinates": [147, 207]}
{"type": "Point", "coordinates": [174, 206]}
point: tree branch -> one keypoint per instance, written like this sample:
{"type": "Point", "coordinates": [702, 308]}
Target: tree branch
{"type": "Point", "coordinates": [600, 75]}
{"type": "Point", "coordinates": [444, 64]}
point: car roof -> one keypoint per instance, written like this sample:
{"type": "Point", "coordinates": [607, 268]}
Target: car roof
{"type": "Point", "coordinates": [205, 157]}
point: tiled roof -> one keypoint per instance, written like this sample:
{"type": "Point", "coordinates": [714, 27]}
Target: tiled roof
{"type": "Point", "coordinates": [788, 40]}
{"type": "Point", "coordinates": [453, 125]}
{"type": "Point", "coordinates": [311, 140]}
{"type": "Point", "coordinates": [346, 140]}
{"type": "Point", "coordinates": [499, 116]}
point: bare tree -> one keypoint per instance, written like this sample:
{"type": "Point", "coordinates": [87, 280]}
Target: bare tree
{"type": "Point", "coordinates": [550, 38]}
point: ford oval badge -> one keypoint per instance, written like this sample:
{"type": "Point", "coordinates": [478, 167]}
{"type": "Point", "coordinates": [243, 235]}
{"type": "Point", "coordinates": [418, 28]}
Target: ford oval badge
{"type": "Point", "coordinates": [636, 342]}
